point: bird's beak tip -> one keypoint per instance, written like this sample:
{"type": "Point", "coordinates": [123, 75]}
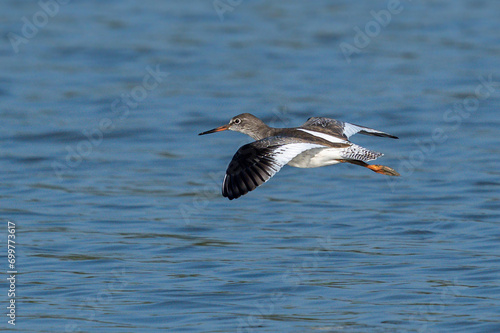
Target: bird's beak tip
{"type": "Point", "coordinates": [218, 129]}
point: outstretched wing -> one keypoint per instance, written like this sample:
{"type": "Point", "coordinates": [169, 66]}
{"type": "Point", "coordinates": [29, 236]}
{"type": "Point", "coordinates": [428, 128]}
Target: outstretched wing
{"type": "Point", "coordinates": [340, 129]}
{"type": "Point", "coordinates": [255, 163]}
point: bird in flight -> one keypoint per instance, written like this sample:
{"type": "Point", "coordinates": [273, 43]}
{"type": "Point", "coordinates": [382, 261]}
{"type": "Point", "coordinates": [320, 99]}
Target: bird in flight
{"type": "Point", "coordinates": [318, 142]}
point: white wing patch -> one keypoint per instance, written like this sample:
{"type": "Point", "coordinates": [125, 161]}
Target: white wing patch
{"type": "Point", "coordinates": [284, 154]}
{"type": "Point", "coordinates": [351, 129]}
{"type": "Point", "coordinates": [356, 152]}
{"type": "Point", "coordinates": [324, 136]}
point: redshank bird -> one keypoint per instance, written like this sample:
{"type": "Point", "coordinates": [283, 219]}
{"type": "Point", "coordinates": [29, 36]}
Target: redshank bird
{"type": "Point", "coordinates": [318, 142]}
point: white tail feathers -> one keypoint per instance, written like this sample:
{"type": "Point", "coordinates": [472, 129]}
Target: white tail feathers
{"type": "Point", "coordinates": [359, 153]}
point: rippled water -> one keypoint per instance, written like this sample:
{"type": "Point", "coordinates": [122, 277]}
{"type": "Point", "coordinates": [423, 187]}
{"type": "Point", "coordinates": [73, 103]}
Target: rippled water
{"type": "Point", "coordinates": [119, 218]}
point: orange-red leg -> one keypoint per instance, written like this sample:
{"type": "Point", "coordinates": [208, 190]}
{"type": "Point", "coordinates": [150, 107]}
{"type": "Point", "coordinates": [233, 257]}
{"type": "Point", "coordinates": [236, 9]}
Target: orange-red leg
{"type": "Point", "coordinates": [382, 169]}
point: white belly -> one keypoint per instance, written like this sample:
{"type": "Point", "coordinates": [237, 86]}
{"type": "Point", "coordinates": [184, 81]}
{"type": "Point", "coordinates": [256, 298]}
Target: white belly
{"type": "Point", "coordinates": [316, 157]}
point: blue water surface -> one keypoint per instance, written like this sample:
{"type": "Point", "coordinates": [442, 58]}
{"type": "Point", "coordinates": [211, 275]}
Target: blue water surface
{"type": "Point", "coordinates": [120, 223]}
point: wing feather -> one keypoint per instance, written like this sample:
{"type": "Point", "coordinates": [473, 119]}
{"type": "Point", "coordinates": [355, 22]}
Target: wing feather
{"type": "Point", "coordinates": [340, 128]}
{"type": "Point", "coordinates": [255, 163]}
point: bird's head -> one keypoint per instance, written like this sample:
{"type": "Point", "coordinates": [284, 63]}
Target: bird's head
{"type": "Point", "coordinates": [245, 123]}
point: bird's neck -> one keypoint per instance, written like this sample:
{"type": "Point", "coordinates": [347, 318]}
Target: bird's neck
{"type": "Point", "coordinates": [263, 132]}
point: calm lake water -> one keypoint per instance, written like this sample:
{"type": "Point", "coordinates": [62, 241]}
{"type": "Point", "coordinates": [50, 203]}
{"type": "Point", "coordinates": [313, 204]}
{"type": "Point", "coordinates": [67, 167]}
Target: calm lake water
{"type": "Point", "coordinates": [120, 222]}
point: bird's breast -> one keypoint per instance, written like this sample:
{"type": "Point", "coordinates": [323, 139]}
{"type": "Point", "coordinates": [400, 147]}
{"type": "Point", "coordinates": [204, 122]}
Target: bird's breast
{"type": "Point", "coordinates": [316, 157]}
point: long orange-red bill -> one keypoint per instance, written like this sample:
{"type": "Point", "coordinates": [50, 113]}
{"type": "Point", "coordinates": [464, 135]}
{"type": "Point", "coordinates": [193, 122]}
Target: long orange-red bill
{"type": "Point", "coordinates": [218, 129]}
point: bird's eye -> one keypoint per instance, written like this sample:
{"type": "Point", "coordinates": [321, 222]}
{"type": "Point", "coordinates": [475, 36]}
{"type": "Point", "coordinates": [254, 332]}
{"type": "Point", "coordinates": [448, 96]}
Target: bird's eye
{"type": "Point", "coordinates": [237, 121]}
